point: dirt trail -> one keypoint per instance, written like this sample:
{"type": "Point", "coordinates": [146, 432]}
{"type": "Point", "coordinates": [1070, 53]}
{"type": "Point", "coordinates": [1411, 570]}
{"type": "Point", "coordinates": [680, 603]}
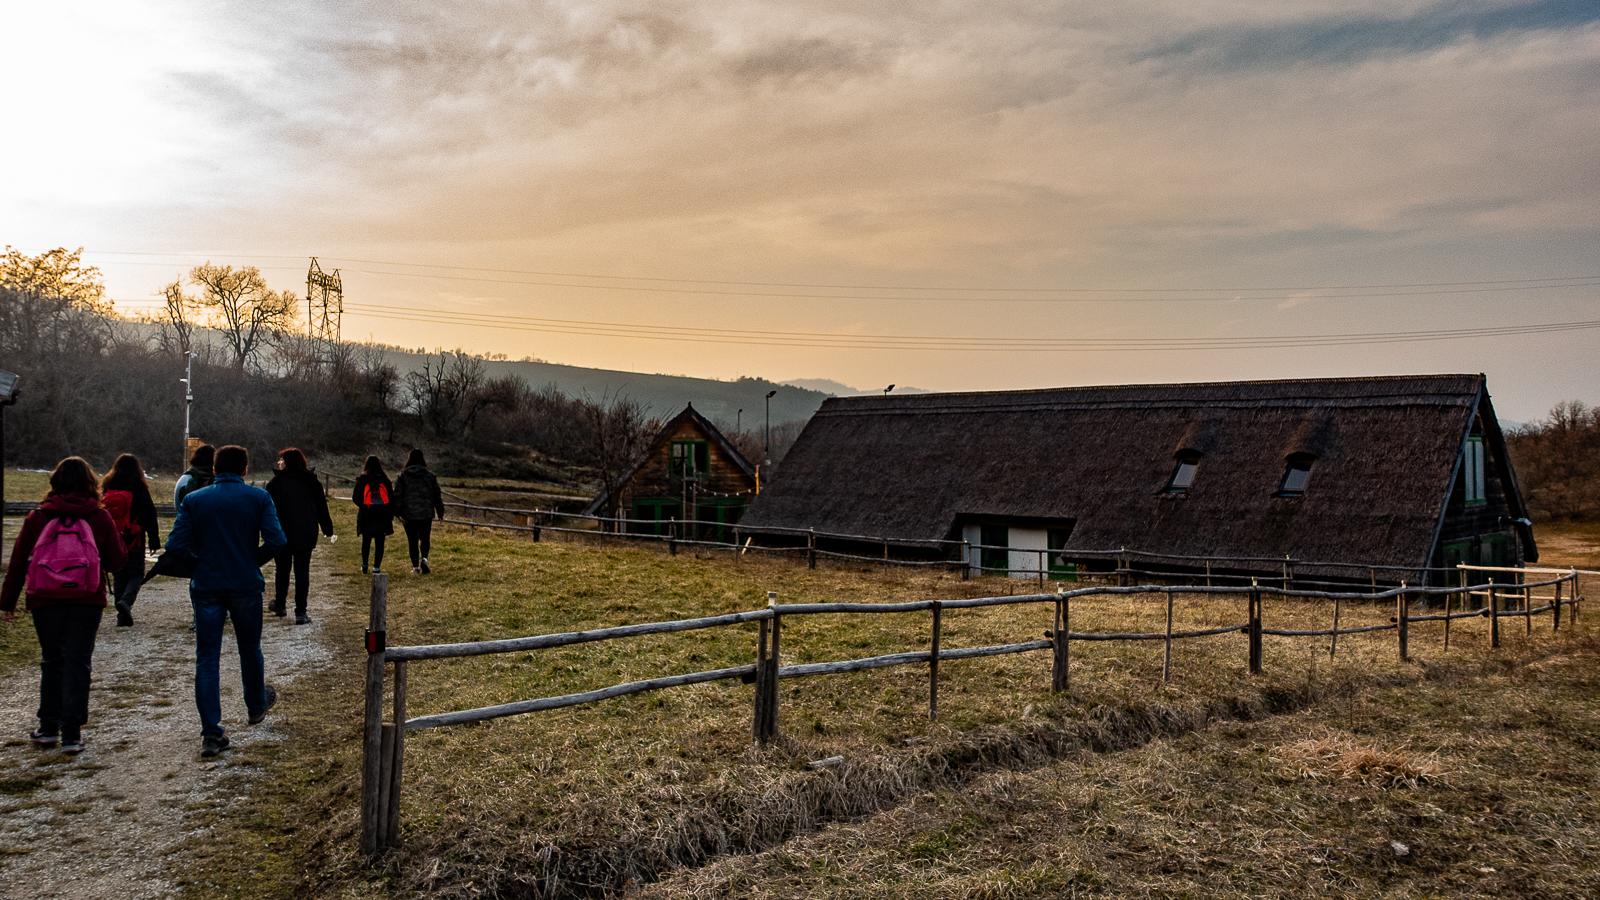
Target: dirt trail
{"type": "Point", "coordinates": [107, 823]}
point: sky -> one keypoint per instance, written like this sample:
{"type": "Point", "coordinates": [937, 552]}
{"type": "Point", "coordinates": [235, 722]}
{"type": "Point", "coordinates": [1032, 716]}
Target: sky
{"type": "Point", "coordinates": [954, 196]}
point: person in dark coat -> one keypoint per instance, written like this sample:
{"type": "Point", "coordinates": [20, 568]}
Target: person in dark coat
{"type": "Point", "coordinates": [198, 476]}
{"type": "Point", "coordinates": [125, 488]}
{"type": "Point", "coordinates": [374, 499]}
{"type": "Point", "coordinates": [418, 501]}
{"type": "Point", "coordinates": [66, 618]}
{"type": "Point", "coordinates": [302, 508]}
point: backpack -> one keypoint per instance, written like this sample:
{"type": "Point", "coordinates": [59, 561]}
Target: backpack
{"type": "Point", "coordinates": [370, 499]}
{"type": "Point", "coordinates": [120, 505]}
{"type": "Point", "coordinates": [65, 559]}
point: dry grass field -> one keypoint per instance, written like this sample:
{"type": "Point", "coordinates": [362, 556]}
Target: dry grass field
{"type": "Point", "coordinates": [666, 787]}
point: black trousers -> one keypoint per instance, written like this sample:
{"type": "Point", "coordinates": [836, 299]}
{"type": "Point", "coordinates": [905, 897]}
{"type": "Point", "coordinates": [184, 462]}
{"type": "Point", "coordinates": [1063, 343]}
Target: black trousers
{"type": "Point", "coordinates": [125, 583]}
{"type": "Point", "coordinates": [419, 534]}
{"type": "Point", "coordinates": [300, 560]}
{"type": "Point", "coordinates": [369, 544]}
{"type": "Point", "coordinates": [66, 643]}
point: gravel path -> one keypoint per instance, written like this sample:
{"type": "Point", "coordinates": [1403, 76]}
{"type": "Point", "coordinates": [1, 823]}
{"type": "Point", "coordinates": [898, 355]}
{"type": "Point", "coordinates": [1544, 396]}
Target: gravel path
{"type": "Point", "coordinates": [107, 823]}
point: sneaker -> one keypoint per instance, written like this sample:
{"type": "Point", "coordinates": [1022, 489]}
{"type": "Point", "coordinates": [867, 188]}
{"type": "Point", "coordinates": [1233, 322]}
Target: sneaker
{"type": "Point", "coordinates": [213, 745]}
{"type": "Point", "coordinates": [424, 567]}
{"type": "Point", "coordinates": [257, 718]}
{"type": "Point", "coordinates": [302, 619]}
{"type": "Point", "coordinates": [279, 610]}
{"type": "Point", "coordinates": [416, 570]}
{"type": "Point", "coordinates": [363, 568]}
{"type": "Point", "coordinates": [44, 739]}
{"type": "Point", "coordinates": [72, 746]}
{"type": "Point", "coordinates": [124, 615]}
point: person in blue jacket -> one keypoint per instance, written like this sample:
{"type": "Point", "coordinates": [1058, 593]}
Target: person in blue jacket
{"type": "Point", "coordinates": [230, 529]}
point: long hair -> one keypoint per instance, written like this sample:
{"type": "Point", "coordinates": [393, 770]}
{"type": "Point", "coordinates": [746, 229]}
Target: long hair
{"type": "Point", "coordinates": [73, 475]}
{"type": "Point", "coordinates": [126, 474]}
{"type": "Point", "coordinates": [204, 456]}
{"type": "Point", "coordinates": [415, 458]}
{"type": "Point", "coordinates": [374, 466]}
{"type": "Point", "coordinates": [293, 459]}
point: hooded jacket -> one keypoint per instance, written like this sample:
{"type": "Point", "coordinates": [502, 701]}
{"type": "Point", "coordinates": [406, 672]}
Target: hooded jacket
{"type": "Point", "coordinates": [416, 495]}
{"type": "Point", "coordinates": [189, 482]}
{"type": "Point", "coordinates": [106, 540]}
{"type": "Point", "coordinates": [302, 507]}
{"type": "Point", "coordinates": [231, 529]}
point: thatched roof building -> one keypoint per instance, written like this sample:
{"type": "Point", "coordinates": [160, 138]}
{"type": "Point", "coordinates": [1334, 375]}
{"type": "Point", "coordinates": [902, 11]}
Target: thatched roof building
{"type": "Point", "coordinates": [1404, 471]}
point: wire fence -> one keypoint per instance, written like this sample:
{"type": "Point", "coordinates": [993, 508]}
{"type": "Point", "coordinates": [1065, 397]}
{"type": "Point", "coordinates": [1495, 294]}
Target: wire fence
{"type": "Point", "coordinates": [384, 742]}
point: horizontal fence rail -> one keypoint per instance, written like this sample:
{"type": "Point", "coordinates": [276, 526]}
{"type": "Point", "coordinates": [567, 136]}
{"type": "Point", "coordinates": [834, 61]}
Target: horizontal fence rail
{"type": "Point", "coordinates": [384, 742]}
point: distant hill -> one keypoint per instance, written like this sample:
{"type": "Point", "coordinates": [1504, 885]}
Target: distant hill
{"type": "Point", "coordinates": [718, 400]}
{"type": "Point", "coordinates": [840, 389]}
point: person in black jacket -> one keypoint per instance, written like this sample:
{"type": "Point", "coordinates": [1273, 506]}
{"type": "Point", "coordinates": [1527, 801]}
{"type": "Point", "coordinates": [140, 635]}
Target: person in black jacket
{"type": "Point", "coordinates": [374, 499]}
{"type": "Point", "coordinates": [302, 507]}
{"type": "Point", "coordinates": [126, 493]}
{"type": "Point", "coordinates": [417, 500]}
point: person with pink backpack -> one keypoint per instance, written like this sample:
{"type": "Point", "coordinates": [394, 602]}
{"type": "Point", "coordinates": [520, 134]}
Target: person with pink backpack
{"type": "Point", "coordinates": [60, 561]}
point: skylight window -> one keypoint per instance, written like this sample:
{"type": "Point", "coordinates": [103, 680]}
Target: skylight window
{"type": "Point", "coordinates": [1183, 472]}
{"type": "Point", "coordinates": [1296, 475]}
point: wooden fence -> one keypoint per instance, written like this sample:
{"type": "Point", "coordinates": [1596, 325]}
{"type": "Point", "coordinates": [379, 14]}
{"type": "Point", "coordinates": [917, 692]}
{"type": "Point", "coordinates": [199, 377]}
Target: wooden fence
{"type": "Point", "coordinates": [384, 742]}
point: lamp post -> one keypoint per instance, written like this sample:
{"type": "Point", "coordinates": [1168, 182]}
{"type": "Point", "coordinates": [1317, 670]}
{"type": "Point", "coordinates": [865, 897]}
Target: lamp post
{"type": "Point", "coordinates": [188, 401]}
{"type": "Point", "coordinates": [8, 396]}
{"type": "Point", "coordinates": [738, 421]}
{"type": "Point", "coordinates": [766, 452]}
{"type": "Point", "coordinates": [887, 390]}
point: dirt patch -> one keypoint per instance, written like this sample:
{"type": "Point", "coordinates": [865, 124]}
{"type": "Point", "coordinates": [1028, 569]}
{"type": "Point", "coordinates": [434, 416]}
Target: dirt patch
{"type": "Point", "coordinates": [107, 823]}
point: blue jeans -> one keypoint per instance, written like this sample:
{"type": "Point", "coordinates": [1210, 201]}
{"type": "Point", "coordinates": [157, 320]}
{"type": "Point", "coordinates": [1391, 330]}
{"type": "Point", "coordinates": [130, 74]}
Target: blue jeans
{"type": "Point", "coordinates": [211, 611]}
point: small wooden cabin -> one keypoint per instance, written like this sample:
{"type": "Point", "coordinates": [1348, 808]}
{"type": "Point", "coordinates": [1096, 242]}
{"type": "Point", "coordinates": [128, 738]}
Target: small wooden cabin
{"type": "Point", "coordinates": [1336, 475]}
{"type": "Point", "coordinates": [692, 475]}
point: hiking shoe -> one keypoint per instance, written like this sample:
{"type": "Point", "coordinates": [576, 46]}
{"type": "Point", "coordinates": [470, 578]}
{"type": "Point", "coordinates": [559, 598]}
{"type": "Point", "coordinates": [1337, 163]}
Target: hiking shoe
{"type": "Point", "coordinates": [279, 610]}
{"type": "Point", "coordinates": [363, 568]}
{"type": "Point", "coordinates": [213, 745]}
{"type": "Point", "coordinates": [124, 615]}
{"type": "Point", "coordinates": [256, 718]}
{"type": "Point", "coordinates": [44, 740]}
{"type": "Point", "coordinates": [424, 566]}
{"type": "Point", "coordinates": [72, 746]}
{"type": "Point", "coordinates": [302, 619]}
{"type": "Point", "coordinates": [416, 570]}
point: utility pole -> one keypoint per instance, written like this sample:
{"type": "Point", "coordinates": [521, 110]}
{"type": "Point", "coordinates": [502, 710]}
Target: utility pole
{"type": "Point", "coordinates": [188, 403]}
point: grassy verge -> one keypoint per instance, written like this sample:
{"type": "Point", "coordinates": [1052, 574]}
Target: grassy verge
{"type": "Point", "coordinates": [1448, 786]}
{"type": "Point", "coordinates": [598, 797]}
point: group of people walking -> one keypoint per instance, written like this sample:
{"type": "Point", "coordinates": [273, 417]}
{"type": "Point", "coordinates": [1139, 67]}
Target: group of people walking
{"type": "Point", "coordinates": [89, 532]}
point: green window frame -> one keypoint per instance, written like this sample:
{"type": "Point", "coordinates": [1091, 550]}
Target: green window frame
{"type": "Point", "coordinates": [689, 458]}
{"type": "Point", "coordinates": [1473, 465]}
{"type": "Point", "coordinates": [658, 514]}
{"type": "Point", "coordinates": [995, 557]}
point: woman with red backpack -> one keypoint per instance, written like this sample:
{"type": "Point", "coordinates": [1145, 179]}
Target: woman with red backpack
{"type": "Point", "coordinates": [126, 495]}
{"type": "Point", "coordinates": [374, 498]}
{"type": "Point", "coordinates": [58, 563]}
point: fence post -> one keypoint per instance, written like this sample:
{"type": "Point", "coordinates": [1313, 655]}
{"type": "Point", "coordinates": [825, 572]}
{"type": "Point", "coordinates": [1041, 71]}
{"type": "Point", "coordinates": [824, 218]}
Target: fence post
{"type": "Point", "coordinates": [1255, 627]}
{"type": "Point", "coordinates": [1287, 575]}
{"type": "Point", "coordinates": [1060, 657]}
{"type": "Point", "coordinates": [1208, 573]}
{"type": "Point", "coordinates": [1166, 656]}
{"type": "Point", "coordinates": [372, 728]}
{"type": "Point", "coordinates": [759, 718]}
{"type": "Point", "coordinates": [672, 536]}
{"type": "Point", "coordinates": [1122, 567]}
{"type": "Point", "coordinates": [1449, 599]}
{"type": "Point", "coordinates": [1577, 596]}
{"type": "Point", "coordinates": [392, 820]}
{"type": "Point", "coordinates": [966, 560]}
{"type": "Point", "coordinates": [772, 668]}
{"type": "Point", "coordinates": [1372, 575]}
{"type": "Point", "coordinates": [1333, 643]}
{"type": "Point", "coordinates": [1556, 621]}
{"type": "Point", "coordinates": [1040, 554]}
{"type": "Point", "coordinates": [811, 548]}
{"type": "Point", "coordinates": [1494, 616]}
{"type": "Point", "coordinates": [538, 523]}
{"type": "Point", "coordinates": [1403, 618]}
{"type": "Point", "coordinates": [885, 549]}
{"type": "Point", "coordinates": [933, 664]}
{"type": "Point", "coordinates": [1527, 605]}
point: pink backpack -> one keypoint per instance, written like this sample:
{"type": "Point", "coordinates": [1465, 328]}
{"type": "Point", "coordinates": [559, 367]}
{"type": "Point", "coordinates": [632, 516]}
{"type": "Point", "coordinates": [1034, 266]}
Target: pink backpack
{"type": "Point", "coordinates": [65, 560]}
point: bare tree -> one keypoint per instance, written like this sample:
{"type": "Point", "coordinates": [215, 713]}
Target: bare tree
{"type": "Point", "coordinates": [51, 304]}
{"type": "Point", "coordinates": [249, 315]}
{"type": "Point", "coordinates": [619, 433]}
{"type": "Point", "coordinates": [447, 393]}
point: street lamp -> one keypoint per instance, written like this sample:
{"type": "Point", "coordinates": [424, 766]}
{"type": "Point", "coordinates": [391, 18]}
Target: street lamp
{"type": "Point", "coordinates": [8, 396]}
{"type": "Point", "coordinates": [887, 390]}
{"type": "Point", "coordinates": [738, 419]}
{"type": "Point", "coordinates": [767, 449]}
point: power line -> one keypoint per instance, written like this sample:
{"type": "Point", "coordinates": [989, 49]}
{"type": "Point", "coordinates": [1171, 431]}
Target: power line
{"type": "Point", "coordinates": [1401, 288]}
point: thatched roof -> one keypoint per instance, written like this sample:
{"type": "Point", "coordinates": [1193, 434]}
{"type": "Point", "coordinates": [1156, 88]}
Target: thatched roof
{"type": "Point", "coordinates": [910, 467]}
